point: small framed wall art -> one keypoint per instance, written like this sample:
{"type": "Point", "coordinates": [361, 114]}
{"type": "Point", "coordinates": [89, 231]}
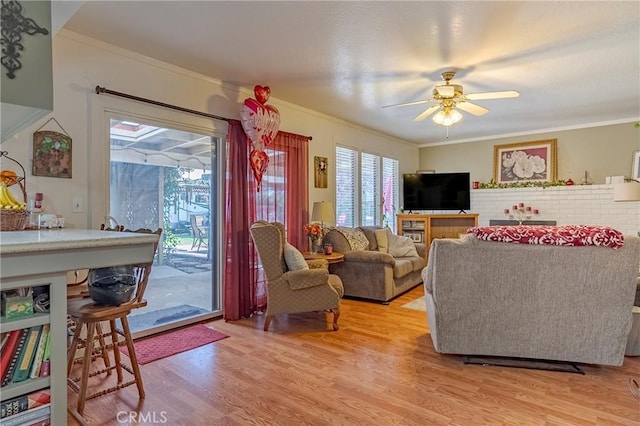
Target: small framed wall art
{"type": "Point", "coordinates": [525, 162]}
{"type": "Point", "coordinates": [320, 176]}
{"type": "Point", "coordinates": [51, 154]}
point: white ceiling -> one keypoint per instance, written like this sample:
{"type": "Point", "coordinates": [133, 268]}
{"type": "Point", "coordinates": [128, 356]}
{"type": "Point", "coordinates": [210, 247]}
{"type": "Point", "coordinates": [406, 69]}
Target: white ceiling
{"type": "Point", "coordinates": [574, 63]}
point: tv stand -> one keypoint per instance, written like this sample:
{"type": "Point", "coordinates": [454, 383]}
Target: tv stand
{"type": "Point", "coordinates": [462, 212]}
{"type": "Point", "coordinates": [424, 228]}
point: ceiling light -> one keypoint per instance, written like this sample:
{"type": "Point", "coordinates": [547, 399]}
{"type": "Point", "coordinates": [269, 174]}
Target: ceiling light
{"type": "Point", "coordinates": [447, 117]}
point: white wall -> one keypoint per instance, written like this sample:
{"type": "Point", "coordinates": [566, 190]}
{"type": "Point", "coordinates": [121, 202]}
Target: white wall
{"type": "Point", "coordinates": [80, 64]}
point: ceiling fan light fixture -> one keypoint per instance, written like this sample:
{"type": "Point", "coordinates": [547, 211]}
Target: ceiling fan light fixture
{"type": "Point", "coordinates": [447, 117]}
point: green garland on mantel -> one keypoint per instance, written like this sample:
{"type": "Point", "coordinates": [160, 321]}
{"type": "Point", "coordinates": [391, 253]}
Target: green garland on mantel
{"type": "Point", "coordinates": [495, 185]}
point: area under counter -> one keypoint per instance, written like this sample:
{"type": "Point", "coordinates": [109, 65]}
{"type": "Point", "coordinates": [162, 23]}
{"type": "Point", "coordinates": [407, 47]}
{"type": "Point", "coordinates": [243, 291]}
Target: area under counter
{"type": "Point", "coordinates": [29, 258]}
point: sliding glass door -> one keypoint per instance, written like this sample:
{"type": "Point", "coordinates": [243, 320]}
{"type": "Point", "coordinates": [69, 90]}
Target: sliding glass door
{"type": "Point", "coordinates": [162, 177]}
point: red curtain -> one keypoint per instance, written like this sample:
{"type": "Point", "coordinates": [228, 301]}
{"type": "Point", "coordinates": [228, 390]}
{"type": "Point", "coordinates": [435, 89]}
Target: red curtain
{"type": "Point", "coordinates": [285, 194]}
{"type": "Point", "coordinates": [239, 295]}
{"type": "Point", "coordinates": [297, 189]}
{"type": "Point", "coordinates": [284, 197]}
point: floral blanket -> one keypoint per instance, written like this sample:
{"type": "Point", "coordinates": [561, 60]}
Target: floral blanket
{"type": "Point", "coordinates": [357, 239]}
{"type": "Point", "coordinates": [568, 235]}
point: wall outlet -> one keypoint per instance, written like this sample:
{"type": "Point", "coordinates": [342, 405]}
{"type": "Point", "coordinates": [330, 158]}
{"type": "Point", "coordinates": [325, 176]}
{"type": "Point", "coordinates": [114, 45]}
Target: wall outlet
{"type": "Point", "coordinates": [77, 206]}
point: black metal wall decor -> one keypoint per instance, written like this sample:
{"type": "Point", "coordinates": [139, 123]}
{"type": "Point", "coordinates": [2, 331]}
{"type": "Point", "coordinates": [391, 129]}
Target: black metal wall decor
{"type": "Point", "coordinates": [13, 26]}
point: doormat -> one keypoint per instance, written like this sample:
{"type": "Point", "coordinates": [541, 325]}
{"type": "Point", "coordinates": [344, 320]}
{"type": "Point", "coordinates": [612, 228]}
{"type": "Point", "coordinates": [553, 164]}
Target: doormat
{"type": "Point", "coordinates": [419, 304]}
{"type": "Point", "coordinates": [534, 364]}
{"type": "Point", "coordinates": [172, 343]}
{"type": "Point", "coordinates": [163, 316]}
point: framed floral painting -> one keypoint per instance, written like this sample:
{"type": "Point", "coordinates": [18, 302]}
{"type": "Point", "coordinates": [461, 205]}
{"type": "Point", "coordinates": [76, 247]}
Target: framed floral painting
{"type": "Point", "coordinates": [525, 162]}
{"type": "Point", "coordinates": [51, 154]}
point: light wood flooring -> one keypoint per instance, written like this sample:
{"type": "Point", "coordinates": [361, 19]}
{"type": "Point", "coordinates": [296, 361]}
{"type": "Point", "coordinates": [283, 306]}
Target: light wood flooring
{"type": "Point", "coordinates": [378, 369]}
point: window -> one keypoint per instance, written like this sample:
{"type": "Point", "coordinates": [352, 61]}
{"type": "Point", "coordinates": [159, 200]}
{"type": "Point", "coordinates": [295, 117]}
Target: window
{"type": "Point", "coordinates": [370, 190]}
{"type": "Point", "coordinates": [366, 189]}
{"type": "Point", "coordinates": [346, 186]}
{"type": "Point", "coordinates": [389, 192]}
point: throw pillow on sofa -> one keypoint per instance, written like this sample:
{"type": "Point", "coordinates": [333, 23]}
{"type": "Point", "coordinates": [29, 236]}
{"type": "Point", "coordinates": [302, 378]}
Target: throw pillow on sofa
{"type": "Point", "coordinates": [293, 258]}
{"type": "Point", "coordinates": [382, 237]}
{"type": "Point", "coordinates": [400, 246]}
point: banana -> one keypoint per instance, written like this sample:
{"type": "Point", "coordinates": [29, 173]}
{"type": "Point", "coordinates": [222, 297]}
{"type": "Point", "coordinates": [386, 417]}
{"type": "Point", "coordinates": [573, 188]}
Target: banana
{"type": "Point", "coordinates": [3, 198]}
{"type": "Point", "coordinates": [8, 201]}
{"type": "Point", "coordinates": [10, 196]}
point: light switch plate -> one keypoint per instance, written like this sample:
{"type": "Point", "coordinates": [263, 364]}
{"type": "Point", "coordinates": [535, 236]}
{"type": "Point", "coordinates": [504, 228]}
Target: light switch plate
{"type": "Point", "coordinates": [77, 205]}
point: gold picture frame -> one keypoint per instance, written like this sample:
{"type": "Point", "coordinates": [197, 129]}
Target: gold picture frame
{"type": "Point", "coordinates": [321, 171]}
{"type": "Point", "coordinates": [526, 162]}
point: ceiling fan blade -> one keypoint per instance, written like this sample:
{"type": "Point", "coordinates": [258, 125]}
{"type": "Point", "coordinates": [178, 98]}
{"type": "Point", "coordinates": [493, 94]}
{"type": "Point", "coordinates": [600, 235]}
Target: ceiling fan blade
{"type": "Point", "coordinates": [472, 108]}
{"type": "Point", "coordinates": [426, 113]}
{"type": "Point", "coordinates": [408, 103]}
{"type": "Point", "coordinates": [493, 95]}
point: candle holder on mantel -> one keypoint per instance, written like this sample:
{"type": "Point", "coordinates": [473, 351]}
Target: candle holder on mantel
{"type": "Point", "coordinates": [520, 212]}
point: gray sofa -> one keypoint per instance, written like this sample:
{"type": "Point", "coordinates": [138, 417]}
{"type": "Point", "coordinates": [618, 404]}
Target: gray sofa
{"type": "Point", "coordinates": [531, 301]}
{"type": "Point", "coordinates": [371, 274]}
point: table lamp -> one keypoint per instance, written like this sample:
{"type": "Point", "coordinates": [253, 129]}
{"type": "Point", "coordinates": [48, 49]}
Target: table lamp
{"type": "Point", "coordinates": [323, 212]}
{"type": "Point", "coordinates": [627, 191]}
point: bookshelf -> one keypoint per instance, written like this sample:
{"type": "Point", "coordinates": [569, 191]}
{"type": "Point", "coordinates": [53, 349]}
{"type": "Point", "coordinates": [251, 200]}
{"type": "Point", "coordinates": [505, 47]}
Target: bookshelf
{"type": "Point", "coordinates": [57, 322]}
{"type": "Point", "coordinates": [424, 228]}
{"type": "Point", "coordinates": [36, 258]}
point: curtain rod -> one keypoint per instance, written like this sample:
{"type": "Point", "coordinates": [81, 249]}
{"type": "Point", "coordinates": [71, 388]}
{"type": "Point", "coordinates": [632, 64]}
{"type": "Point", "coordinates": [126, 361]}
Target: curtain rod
{"type": "Point", "coordinates": [100, 90]}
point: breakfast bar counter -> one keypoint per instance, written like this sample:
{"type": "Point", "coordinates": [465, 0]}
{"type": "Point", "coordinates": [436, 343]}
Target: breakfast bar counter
{"type": "Point", "coordinates": [43, 258]}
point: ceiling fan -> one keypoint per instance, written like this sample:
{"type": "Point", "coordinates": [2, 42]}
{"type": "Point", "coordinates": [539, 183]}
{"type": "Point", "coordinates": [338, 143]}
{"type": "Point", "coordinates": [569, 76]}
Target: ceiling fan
{"type": "Point", "coordinates": [449, 97]}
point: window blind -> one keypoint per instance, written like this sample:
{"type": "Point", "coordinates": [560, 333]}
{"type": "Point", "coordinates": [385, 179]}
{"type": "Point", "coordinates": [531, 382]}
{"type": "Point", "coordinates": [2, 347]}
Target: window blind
{"type": "Point", "coordinates": [370, 205]}
{"type": "Point", "coordinates": [346, 185]}
{"type": "Point", "coordinates": [390, 195]}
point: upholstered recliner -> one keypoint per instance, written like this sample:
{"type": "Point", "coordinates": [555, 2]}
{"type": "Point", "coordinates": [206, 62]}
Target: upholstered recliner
{"type": "Point", "coordinates": [293, 291]}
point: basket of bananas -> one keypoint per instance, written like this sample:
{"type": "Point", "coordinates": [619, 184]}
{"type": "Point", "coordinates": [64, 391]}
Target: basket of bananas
{"type": "Point", "coordinates": [13, 213]}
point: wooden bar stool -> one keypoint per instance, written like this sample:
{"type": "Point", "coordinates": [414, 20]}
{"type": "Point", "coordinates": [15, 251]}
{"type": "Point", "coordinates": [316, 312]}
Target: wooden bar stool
{"type": "Point", "coordinates": [78, 288]}
{"type": "Point", "coordinates": [88, 334]}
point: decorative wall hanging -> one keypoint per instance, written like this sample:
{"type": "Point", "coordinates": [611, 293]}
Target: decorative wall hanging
{"type": "Point", "coordinates": [52, 152]}
{"type": "Point", "coordinates": [260, 122]}
{"type": "Point", "coordinates": [13, 26]}
{"type": "Point", "coordinates": [320, 168]}
{"type": "Point", "coordinates": [525, 162]}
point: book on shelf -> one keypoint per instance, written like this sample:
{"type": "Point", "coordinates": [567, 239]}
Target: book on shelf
{"type": "Point", "coordinates": [45, 421]}
{"type": "Point", "coordinates": [28, 417]}
{"type": "Point", "coordinates": [27, 354]}
{"type": "Point", "coordinates": [45, 367]}
{"type": "Point", "coordinates": [37, 361]}
{"type": "Point", "coordinates": [8, 350]}
{"type": "Point", "coordinates": [3, 339]}
{"type": "Point", "coordinates": [24, 402]}
{"type": "Point", "coordinates": [15, 356]}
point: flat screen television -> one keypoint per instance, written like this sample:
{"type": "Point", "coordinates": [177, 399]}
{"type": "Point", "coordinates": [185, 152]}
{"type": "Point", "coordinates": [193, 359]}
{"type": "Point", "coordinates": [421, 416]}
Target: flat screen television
{"type": "Point", "coordinates": [436, 191]}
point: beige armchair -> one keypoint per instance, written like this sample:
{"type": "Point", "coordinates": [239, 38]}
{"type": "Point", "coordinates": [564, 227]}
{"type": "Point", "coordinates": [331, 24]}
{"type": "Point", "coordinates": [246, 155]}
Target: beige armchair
{"type": "Point", "coordinates": [304, 290]}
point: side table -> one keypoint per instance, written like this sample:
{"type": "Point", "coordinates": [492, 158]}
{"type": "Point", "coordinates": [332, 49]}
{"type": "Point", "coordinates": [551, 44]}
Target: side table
{"type": "Point", "coordinates": [334, 257]}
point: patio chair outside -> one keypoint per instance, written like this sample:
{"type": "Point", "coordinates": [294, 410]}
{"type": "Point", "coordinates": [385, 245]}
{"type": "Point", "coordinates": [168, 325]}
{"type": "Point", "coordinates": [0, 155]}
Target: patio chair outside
{"type": "Point", "coordinates": [199, 231]}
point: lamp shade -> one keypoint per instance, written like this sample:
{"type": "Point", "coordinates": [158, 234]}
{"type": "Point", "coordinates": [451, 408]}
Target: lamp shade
{"type": "Point", "coordinates": [323, 212]}
{"type": "Point", "coordinates": [628, 191]}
